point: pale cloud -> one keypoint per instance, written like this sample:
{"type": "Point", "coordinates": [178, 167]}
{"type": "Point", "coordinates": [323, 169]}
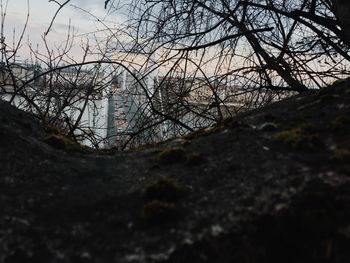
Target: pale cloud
{"type": "Point", "coordinates": [42, 11]}
{"type": "Point", "coordinates": [89, 3]}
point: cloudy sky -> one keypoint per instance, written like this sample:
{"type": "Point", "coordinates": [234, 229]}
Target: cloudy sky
{"type": "Point", "coordinates": [41, 12]}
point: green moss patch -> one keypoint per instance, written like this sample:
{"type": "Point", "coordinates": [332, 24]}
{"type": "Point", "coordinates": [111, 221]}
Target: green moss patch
{"type": "Point", "coordinates": [59, 141]}
{"type": "Point", "coordinates": [303, 137]}
{"type": "Point", "coordinates": [163, 198]}
{"type": "Point", "coordinates": [164, 189]}
{"type": "Point", "coordinates": [341, 155]}
{"type": "Point", "coordinates": [50, 129]}
{"type": "Point", "coordinates": [172, 155]}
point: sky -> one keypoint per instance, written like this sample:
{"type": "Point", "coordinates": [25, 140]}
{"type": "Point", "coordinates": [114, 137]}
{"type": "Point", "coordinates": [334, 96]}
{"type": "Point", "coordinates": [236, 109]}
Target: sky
{"type": "Point", "coordinates": [76, 13]}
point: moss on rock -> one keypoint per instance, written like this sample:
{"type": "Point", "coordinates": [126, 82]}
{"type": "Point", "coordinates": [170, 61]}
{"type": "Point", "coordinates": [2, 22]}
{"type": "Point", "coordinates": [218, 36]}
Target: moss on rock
{"type": "Point", "coordinates": [172, 155]}
{"type": "Point", "coordinates": [61, 142]}
{"type": "Point", "coordinates": [302, 137]}
{"type": "Point", "coordinates": [341, 154]}
{"type": "Point", "coordinates": [164, 188]}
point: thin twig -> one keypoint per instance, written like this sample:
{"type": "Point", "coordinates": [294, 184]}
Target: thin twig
{"type": "Point", "coordinates": [54, 17]}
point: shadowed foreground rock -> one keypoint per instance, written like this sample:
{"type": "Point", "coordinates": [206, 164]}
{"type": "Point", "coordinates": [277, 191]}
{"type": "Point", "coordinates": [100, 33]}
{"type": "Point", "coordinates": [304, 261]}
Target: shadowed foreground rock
{"type": "Point", "coordinates": [271, 185]}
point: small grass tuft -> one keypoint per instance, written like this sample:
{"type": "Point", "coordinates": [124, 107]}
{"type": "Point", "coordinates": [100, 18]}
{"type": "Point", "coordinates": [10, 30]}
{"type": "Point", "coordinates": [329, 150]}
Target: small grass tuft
{"type": "Point", "coordinates": [309, 128]}
{"type": "Point", "coordinates": [341, 155]}
{"type": "Point", "coordinates": [164, 188]}
{"type": "Point", "coordinates": [172, 155]}
{"type": "Point", "coordinates": [303, 137]}
{"type": "Point", "coordinates": [61, 142]}
{"type": "Point", "coordinates": [50, 129]}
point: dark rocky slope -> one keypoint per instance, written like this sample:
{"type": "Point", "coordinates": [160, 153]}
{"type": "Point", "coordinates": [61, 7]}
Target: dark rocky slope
{"type": "Point", "coordinates": [271, 185]}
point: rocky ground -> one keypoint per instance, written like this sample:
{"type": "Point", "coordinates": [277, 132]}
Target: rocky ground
{"type": "Point", "coordinates": [271, 185]}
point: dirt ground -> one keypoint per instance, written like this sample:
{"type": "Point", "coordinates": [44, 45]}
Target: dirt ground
{"type": "Point", "coordinates": [271, 185]}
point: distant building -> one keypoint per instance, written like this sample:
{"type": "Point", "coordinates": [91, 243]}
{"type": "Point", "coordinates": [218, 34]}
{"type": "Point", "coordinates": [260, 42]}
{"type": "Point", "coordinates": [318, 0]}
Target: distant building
{"type": "Point", "coordinates": [129, 108]}
{"type": "Point", "coordinates": [69, 92]}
